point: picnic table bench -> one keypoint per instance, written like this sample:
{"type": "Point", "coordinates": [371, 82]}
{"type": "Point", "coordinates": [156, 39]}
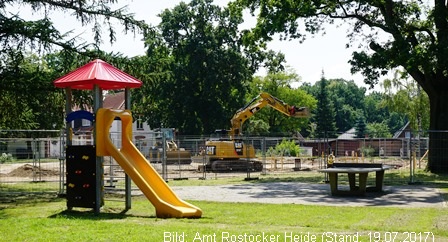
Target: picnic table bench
{"type": "Point", "coordinates": [362, 169]}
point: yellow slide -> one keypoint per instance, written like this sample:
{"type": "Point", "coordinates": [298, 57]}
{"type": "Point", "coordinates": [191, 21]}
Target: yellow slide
{"type": "Point", "coordinates": [166, 202]}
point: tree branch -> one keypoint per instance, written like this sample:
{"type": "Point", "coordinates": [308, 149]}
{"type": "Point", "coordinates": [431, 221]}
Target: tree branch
{"type": "Point", "coordinates": [103, 10]}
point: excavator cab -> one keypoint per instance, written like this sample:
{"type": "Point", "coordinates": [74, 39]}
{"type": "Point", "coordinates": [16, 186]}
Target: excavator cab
{"type": "Point", "coordinates": [220, 134]}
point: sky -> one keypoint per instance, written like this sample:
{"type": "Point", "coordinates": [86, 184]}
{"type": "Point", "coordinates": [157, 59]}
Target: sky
{"type": "Point", "coordinates": [318, 54]}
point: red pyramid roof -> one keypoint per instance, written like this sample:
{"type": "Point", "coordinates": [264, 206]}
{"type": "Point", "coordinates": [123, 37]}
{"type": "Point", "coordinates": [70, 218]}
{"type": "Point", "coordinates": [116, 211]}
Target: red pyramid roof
{"type": "Point", "coordinates": [97, 72]}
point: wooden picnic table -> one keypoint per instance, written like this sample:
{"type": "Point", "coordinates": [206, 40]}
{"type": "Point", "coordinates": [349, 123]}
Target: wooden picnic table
{"type": "Point", "coordinates": [353, 169]}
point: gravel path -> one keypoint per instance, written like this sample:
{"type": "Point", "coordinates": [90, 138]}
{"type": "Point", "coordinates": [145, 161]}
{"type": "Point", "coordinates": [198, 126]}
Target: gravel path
{"type": "Point", "coordinates": [312, 194]}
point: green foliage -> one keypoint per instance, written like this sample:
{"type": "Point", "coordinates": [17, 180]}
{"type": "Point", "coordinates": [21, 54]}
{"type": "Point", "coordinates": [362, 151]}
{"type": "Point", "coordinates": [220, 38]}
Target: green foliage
{"type": "Point", "coordinates": [352, 104]}
{"type": "Point", "coordinates": [347, 99]}
{"type": "Point", "coordinates": [196, 73]}
{"type": "Point", "coordinates": [29, 100]}
{"type": "Point", "coordinates": [367, 151]}
{"type": "Point", "coordinates": [378, 130]}
{"type": "Point", "coordinates": [257, 127]}
{"type": "Point", "coordinates": [285, 148]}
{"type": "Point", "coordinates": [405, 96]}
{"type": "Point", "coordinates": [6, 157]}
{"type": "Point", "coordinates": [20, 33]}
{"type": "Point", "coordinates": [412, 27]}
{"type": "Point", "coordinates": [288, 147]}
{"type": "Point", "coordinates": [325, 113]}
{"type": "Point", "coordinates": [376, 111]}
{"type": "Point", "coordinates": [361, 127]}
{"type": "Point", "coordinates": [279, 85]}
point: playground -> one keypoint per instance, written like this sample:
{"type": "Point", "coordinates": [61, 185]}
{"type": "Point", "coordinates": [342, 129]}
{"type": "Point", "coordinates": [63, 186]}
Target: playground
{"type": "Point", "coordinates": [106, 186]}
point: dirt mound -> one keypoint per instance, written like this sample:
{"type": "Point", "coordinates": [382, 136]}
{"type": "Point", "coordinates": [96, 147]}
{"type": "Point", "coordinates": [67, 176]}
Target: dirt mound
{"type": "Point", "coordinates": [28, 170]}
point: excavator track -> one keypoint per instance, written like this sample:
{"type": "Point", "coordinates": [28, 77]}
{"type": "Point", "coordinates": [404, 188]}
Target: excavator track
{"type": "Point", "coordinates": [239, 165]}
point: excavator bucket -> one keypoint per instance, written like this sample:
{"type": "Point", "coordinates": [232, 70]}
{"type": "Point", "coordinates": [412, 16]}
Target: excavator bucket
{"type": "Point", "coordinates": [299, 112]}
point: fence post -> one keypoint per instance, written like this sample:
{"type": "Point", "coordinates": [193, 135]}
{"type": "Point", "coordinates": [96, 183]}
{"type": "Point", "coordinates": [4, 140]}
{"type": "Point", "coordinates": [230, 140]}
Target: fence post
{"type": "Point", "coordinates": [164, 157]}
{"type": "Point", "coordinates": [263, 155]}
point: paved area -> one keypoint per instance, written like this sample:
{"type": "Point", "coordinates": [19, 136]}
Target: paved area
{"type": "Point", "coordinates": [312, 194]}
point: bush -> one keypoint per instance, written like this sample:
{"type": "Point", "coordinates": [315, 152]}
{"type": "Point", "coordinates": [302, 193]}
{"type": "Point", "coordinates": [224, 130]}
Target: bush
{"type": "Point", "coordinates": [367, 151]}
{"type": "Point", "coordinates": [6, 158]}
{"type": "Point", "coordinates": [287, 147]}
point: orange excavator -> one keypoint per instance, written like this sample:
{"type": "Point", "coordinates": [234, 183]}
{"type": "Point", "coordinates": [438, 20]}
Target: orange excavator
{"type": "Point", "coordinates": [228, 152]}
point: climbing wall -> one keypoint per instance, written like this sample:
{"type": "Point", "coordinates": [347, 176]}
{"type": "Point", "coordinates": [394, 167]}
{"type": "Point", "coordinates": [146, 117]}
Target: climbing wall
{"type": "Point", "coordinates": [81, 176]}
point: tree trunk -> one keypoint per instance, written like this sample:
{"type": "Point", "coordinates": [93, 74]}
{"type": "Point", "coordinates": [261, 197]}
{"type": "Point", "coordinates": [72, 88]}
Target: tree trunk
{"type": "Point", "coordinates": [438, 135]}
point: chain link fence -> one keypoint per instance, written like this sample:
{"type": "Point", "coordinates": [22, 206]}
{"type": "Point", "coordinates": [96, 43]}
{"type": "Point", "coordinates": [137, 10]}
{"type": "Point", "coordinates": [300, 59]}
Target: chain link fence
{"type": "Point", "coordinates": [31, 160]}
{"type": "Point", "coordinates": [34, 161]}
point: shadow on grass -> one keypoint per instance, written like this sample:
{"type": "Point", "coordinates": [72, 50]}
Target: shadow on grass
{"type": "Point", "coordinates": [24, 199]}
{"type": "Point", "coordinates": [305, 177]}
{"type": "Point", "coordinates": [91, 215]}
{"type": "Point", "coordinates": [21, 198]}
{"type": "Point", "coordinates": [420, 177]}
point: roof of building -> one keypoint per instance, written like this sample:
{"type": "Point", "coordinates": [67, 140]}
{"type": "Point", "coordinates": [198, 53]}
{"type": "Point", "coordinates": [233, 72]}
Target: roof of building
{"type": "Point", "coordinates": [349, 134]}
{"type": "Point", "coordinates": [114, 100]}
{"type": "Point", "coordinates": [401, 132]}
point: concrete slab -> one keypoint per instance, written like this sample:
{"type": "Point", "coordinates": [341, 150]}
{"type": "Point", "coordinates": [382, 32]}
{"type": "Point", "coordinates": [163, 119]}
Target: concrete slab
{"type": "Point", "coordinates": [312, 194]}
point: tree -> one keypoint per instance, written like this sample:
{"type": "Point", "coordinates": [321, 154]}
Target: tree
{"type": "Point", "coordinates": [325, 114]}
{"type": "Point", "coordinates": [18, 33]}
{"type": "Point", "coordinates": [405, 96]}
{"type": "Point", "coordinates": [199, 73]}
{"type": "Point", "coordinates": [34, 52]}
{"type": "Point", "coordinates": [351, 102]}
{"type": "Point", "coordinates": [29, 100]}
{"type": "Point", "coordinates": [378, 130]}
{"type": "Point", "coordinates": [257, 127]}
{"type": "Point", "coordinates": [360, 127]}
{"type": "Point", "coordinates": [376, 111]}
{"type": "Point", "coordinates": [29, 88]}
{"type": "Point", "coordinates": [278, 84]}
{"type": "Point", "coordinates": [412, 35]}
{"type": "Point", "coordinates": [347, 98]}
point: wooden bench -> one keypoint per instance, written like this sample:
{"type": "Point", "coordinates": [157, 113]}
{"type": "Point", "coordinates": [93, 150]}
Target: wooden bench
{"type": "Point", "coordinates": [351, 169]}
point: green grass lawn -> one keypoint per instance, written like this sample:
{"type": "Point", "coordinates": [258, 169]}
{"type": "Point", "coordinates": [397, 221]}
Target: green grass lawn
{"type": "Point", "coordinates": [44, 218]}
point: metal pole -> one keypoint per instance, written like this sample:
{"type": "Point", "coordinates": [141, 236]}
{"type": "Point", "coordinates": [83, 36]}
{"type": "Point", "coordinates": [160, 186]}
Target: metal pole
{"type": "Point", "coordinates": [248, 159]}
{"type": "Point", "coordinates": [263, 152]}
{"type": "Point", "coordinates": [411, 165]}
{"type": "Point", "coordinates": [68, 141]}
{"type": "Point", "coordinates": [61, 164]}
{"type": "Point", "coordinates": [164, 168]}
{"type": "Point", "coordinates": [99, 194]}
{"type": "Point", "coordinates": [127, 179]}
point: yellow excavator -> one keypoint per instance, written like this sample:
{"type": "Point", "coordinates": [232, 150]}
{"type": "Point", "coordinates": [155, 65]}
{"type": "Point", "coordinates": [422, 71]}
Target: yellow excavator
{"type": "Point", "coordinates": [228, 152]}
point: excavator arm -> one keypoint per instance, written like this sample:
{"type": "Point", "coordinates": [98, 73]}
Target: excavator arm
{"type": "Point", "coordinates": [262, 100]}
